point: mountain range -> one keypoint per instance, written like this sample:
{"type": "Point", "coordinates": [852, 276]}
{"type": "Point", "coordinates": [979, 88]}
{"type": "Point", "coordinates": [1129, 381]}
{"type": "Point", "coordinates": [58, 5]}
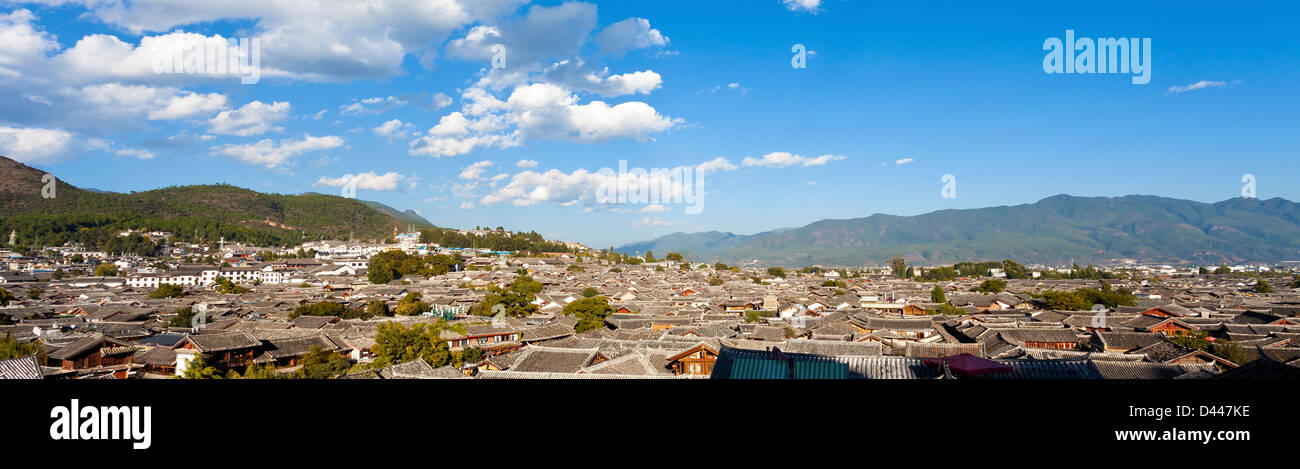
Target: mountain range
{"type": "Point", "coordinates": [202, 211]}
{"type": "Point", "coordinates": [1056, 230]}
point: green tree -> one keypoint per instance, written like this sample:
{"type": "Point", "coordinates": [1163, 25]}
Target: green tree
{"type": "Point", "coordinates": [11, 348]}
{"type": "Point", "coordinates": [1223, 269]}
{"type": "Point", "coordinates": [200, 369]}
{"type": "Point", "coordinates": [517, 298]}
{"type": "Point", "coordinates": [898, 266]}
{"type": "Point", "coordinates": [1014, 270]}
{"type": "Point", "coordinates": [106, 270]}
{"type": "Point", "coordinates": [1262, 286]}
{"type": "Point", "coordinates": [395, 343]}
{"type": "Point", "coordinates": [1065, 301]}
{"type": "Point", "coordinates": [412, 304]}
{"type": "Point", "coordinates": [776, 272]}
{"type": "Point", "coordinates": [378, 308]}
{"type": "Point", "coordinates": [715, 281]}
{"type": "Point", "coordinates": [650, 256]}
{"type": "Point", "coordinates": [320, 364]}
{"type": "Point", "coordinates": [591, 313]}
{"type": "Point", "coordinates": [167, 290]}
{"type": "Point", "coordinates": [589, 292]}
{"type": "Point", "coordinates": [674, 257]}
{"type": "Point", "coordinates": [261, 371]}
{"type": "Point", "coordinates": [224, 285]}
{"type": "Point", "coordinates": [937, 296]}
{"type": "Point", "coordinates": [6, 297]}
{"type": "Point", "coordinates": [472, 355]}
{"type": "Point", "coordinates": [35, 293]}
{"type": "Point", "coordinates": [184, 318]}
{"type": "Point", "coordinates": [993, 285]}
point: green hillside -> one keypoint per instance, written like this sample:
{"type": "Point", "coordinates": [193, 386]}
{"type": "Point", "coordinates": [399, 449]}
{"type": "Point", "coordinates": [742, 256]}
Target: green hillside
{"type": "Point", "coordinates": [192, 213]}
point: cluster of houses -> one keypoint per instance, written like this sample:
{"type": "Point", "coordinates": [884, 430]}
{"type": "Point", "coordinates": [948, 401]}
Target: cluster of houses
{"type": "Point", "coordinates": [668, 322]}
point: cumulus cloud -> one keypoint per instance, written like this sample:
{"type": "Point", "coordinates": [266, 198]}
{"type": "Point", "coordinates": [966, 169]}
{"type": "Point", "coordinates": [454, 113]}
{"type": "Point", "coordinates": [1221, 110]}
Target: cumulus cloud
{"type": "Point", "coordinates": [393, 129]}
{"type": "Point", "coordinates": [629, 34]}
{"type": "Point", "coordinates": [254, 118]}
{"type": "Point", "coordinates": [190, 105]}
{"type": "Point", "coordinates": [541, 111]}
{"type": "Point", "coordinates": [582, 186]}
{"type": "Point", "coordinates": [271, 154]}
{"type": "Point", "coordinates": [715, 165]}
{"type": "Point", "coordinates": [21, 44]}
{"type": "Point", "coordinates": [34, 145]}
{"type": "Point", "coordinates": [475, 171]}
{"type": "Point", "coordinates": [543, 32]}
{"type": "Point", "coordinates": [527, 164]}
{"type": "Point", "coordinates": [904, 160]}
{"type": "Point", "coordinates": [782, 159]}
{"type": "Point", "coordinates": [367, 181]}
{"type": "Point", "coordinates": [573, 74]}
{"type": "Point", "coordinates": [322, 40]}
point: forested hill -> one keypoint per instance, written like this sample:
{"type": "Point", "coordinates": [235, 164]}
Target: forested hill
{"type": "Point", "coordinates": [192, 213]}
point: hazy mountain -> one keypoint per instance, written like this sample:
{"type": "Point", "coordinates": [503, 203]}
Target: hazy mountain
{"type": "Point", "coordinates": [1054, 230]}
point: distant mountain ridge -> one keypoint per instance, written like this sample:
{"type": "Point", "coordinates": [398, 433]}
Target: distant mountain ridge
{"type": "Point", "coordinates": [208, 210]}
{"type": "Point", "coordinates": [1055, 230]}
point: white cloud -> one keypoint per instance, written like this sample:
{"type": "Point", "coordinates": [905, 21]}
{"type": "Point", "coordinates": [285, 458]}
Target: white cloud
{"type": "Point", "coordinates": [270, 154]}
{"type": "Point", "coordinates": [318, 39]}
{"type": "Point", "coordinates": [34, 145]}
{"type": "Point", "coordinates": [648, 221]}
{"type": "Point", "coordinates": [543, 32]}
{"type": "Point", "coordinates": [137, 153]}
{"type": "Point", "coordinates": [654, 208]}
{"type": "Point", "coordinates": [375, 105]}
{"type": "Point", "coordinates": [254, 118]}
{"type": "Point", "coordinates": [191, 105]}
{"type": "Point", "coordinates": [393, 129]}
{"type": "Point", "coordinates": [811, 6]}
{"type": "Point", "coordinates": [581, 186]}
{"type": "Point", "coordinates": [629, 34]}
{"type": "Point", "coordinates": [573, 74]}
{"type": "Point", "coordinates": [1203, 84]}
{"type": "Point", "coordinates": [476, 170]}
{"type": "Point", "coordinates": [904, 161]}
{"type": "Point", "coordinates": [21, 44]}
{"type": "Point", "coordinates": [782, 159]}
{"type": "Point", "coordinates": [366, 181]}
{"type": "Point", "coordinates": [527, 164]}
{"type": "Point", "coordinates": [715, 165]}
{"type": "Point", "coordinates": [548, 111]}
{"type": "Point", "coordinates": [441, 100]}
{"type": "Point", "coordinates": [538, 111]}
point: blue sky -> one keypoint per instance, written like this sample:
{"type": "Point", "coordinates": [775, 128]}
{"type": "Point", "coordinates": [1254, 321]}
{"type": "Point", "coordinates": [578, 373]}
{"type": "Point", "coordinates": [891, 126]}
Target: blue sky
{"type": "Point", "coordinates": [401, 99]}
